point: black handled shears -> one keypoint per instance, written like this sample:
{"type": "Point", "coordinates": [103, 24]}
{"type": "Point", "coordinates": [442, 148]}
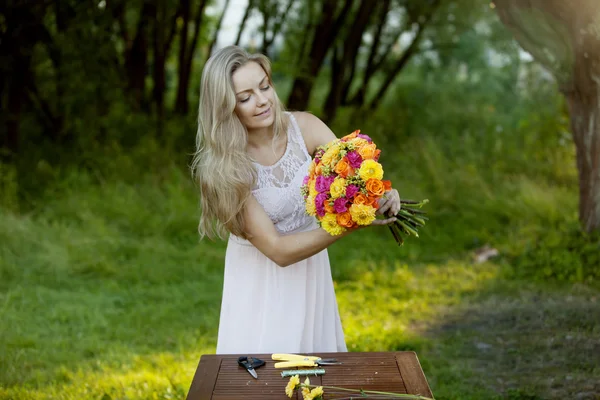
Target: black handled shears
{"type": "Point", "coordinates": [251, 363]}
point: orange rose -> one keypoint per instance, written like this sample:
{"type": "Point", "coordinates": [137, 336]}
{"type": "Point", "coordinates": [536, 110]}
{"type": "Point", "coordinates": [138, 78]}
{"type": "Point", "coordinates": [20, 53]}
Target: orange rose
{"type": "Point", "coordinates": [375, 187]}
{"type": "Point", "coordinates": [318, 169]}
{"type": "Point", "coordinates": [343, 168]}
{"type": "Point", "coordinates": [387, 185]}
{"type": "Point", "coordinates": [373, 202]}
{"type": "Point", "coordinates": [328, 207]}
{"type": "Point", "coordinates": [367, 152]}
{"type": "Point", "coordinates": [345, 220]}
{"type": "Point", "coordinates": [352, 135]}
{"type": "Point", "coordinates": [360, 199]}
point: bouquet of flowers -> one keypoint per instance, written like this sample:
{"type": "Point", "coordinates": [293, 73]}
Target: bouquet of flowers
{"type": "Point", "coordinates": [344, 185]}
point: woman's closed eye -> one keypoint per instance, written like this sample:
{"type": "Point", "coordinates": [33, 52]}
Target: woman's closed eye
{"type": "Point", "coordinates": [264, 89]}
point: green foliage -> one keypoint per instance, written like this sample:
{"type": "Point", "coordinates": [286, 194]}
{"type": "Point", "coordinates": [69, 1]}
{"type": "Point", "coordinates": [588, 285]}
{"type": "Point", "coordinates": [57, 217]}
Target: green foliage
{"type": "Point", "coordinates": [558, 253]}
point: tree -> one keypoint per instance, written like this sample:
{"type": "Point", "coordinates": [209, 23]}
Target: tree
{"type": "Point", "coordinates": [273, 21]}
{"type": "Point", "coordinates": [565, 38]}
{"type": "Point", "coordinates": [187, 48]}
{"type": "Point", "coordinates": [330, 21]}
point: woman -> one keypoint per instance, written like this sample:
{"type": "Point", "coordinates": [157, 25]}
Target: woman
{"type": "Point", "coordinates": [251, 158]}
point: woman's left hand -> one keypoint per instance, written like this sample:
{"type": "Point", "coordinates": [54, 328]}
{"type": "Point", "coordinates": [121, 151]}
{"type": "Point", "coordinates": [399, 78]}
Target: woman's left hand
{"type": "Point", "coordinates": [389, 204]}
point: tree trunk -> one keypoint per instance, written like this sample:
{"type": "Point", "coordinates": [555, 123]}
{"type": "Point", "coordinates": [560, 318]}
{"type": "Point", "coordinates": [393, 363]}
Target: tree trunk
{"type": "Point", "coordinates": [359, 98]}
{"type": "Point", "coordinates": [163, 34]}
{"type": "Point", "coordinates": [215, 37]}
{"type": "Point", "coordinates": [136, 61]}
{"type": "Point", "coordinates": [565, 38]}
{"type": "Point", "coordinates": [343, 69]}
{"type": "Point", "coordinates": [584, 108]}
{"type": "Point", "coordinates": [186, 56]}
{"type": "Point", "coordinates": [325, 34]}
{"type": "Point", "coordinates": [244, 20]}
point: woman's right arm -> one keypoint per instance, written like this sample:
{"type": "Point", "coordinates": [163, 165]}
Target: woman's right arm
{"type": "Point", "coordinates": [285, 250]}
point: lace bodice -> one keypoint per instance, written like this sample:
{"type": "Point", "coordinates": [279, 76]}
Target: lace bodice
{"type": "Point", "coordinates": [278, 185]}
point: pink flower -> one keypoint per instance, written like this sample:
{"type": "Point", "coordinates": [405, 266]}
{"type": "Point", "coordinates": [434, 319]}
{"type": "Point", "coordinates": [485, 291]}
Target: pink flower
{"type": "Point", "coordinates": [320, 204]}
{"type": "Point", "coordinates": [340, 205]}
{"type": "Point", "coordinates": [354, 159]}
{"type": "Point", "coordinates": [351, 191]}
{"type": "Point", "coordinates": [305, 180]}
{"type": "Point", "coordinates": [323, 183]}
{"type": "Point", "coordinates": [368, 139]}
{"type": "Point", "coordinates": [318, 154]}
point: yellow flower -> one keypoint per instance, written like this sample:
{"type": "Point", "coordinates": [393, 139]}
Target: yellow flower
{"type": "Point", "coordinates": [312, 190]}
{"type": "Point", "coordinates": [362, 214]}
{"type": "Point", "coordinates": [310, 206]}
{"type": "Point", "coordinates": [292, 385]}
{"type": "Point", "coordinates": [316, 393]}
{"type": "Point", "coordinates": [337, 188]}
{"type": "Point", "coordinates": [359, 142]}
{"type": "Point", "coordinates": [331, 155]}
{"type": "Point", "coordinates": [311, 168]}
{"type": "Point", "coordinates": [370, 169]}
{"type": "Point", "coordinates": [329, 223]}
{"type": "Point", "coordinates": [306, 388]}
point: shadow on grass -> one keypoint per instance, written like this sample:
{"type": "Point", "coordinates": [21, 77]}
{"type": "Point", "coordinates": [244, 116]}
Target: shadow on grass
{"type": "Point", "coordinates": [518, 341]}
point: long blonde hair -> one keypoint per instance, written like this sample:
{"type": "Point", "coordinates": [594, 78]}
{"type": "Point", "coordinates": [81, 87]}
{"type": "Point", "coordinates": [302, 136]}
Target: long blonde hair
{"type": "Point", "coordinates": [221, 166]}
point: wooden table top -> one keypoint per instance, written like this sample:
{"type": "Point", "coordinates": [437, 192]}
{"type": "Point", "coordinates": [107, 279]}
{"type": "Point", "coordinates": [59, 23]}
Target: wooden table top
{"type": "Point", "coordinates": [219, 377]}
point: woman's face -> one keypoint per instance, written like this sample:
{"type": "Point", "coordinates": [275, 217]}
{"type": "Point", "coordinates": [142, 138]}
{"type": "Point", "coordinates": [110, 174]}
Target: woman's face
{"type": "Point", "coordinates": [255, 96]}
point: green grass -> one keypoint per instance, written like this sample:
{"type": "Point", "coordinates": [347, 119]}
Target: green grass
{"type": "Point", "coordinates": [105, 291]}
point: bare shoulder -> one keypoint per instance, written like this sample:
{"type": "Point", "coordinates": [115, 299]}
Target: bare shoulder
{"type": "Point", "coordinates": [314, 131]}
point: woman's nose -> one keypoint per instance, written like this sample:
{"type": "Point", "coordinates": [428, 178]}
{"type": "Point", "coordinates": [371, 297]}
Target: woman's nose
{"type": "Point", "coordinates": [262, 99]}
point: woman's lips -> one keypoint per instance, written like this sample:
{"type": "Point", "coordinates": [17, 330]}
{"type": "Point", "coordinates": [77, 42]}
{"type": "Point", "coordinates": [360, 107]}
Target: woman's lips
{"type": "Point", "coordinates": [264, 113]}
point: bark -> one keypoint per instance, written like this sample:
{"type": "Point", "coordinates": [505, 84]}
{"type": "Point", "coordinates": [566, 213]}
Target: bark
{"type": "Point", "coordinates": [343, 67]}
{"type": "Point", "coordinates": [163, 34]}
{"type": "Point", "coordinates": [565, 38]}
{"type": "Point", "coordinates": [251, 4]}
{"type": "Point", "coordinates": [215, 37]}
{"type": "Point", "coordinates": [136, 59]}
{"type": "Point", "coordinates": [325, 34]}
{"type": "Point", "coordinates": [404, 59]}
{"type": "Point", "coordinates": [22, 30]}
{"type": "Point", "coordinates": [275, 27]}
{"type": "Point", "coordinates": [359, 98]}
{"type": "Point", "coordinates": [186, 56]}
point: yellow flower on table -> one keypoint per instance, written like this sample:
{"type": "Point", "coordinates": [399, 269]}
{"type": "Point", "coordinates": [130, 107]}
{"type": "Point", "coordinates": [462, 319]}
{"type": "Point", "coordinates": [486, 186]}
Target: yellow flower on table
{"type": "Point", "coordinates": [292, 385]}
{"type": "Point", "coordinates": [306, 388]}
{"type": "Point", "coordinates": [362, 214]}
{"type": "Point", "coordinates": [329, 223]}
{"type": "Point", "coordinates": [370, 169]}
{"type": "Point", "coordinates": [316, 393]}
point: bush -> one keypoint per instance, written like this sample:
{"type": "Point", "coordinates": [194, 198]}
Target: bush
{"type": "Point", "coordinates": [561, 253]}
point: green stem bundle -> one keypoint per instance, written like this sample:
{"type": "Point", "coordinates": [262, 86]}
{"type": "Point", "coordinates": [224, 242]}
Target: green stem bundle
{"type": "Point", "coordinates": [408, 220]}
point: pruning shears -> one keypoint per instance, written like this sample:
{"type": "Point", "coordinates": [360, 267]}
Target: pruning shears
{"type": "Point", "coordinates": [298, 360]}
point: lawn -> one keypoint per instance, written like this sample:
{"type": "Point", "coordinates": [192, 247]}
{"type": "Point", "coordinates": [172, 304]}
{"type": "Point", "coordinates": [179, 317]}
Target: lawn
{"type": "Point", "coordinates": [106, 292]}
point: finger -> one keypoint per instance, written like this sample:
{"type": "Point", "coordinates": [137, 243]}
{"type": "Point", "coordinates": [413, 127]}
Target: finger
{"type": "Point", "coordinates": [386, 221]}
{"type": "Point", "coordinates": [384, 204]}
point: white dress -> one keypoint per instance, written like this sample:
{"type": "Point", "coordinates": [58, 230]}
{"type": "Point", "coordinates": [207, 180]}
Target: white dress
{"type": "Point", "coordinates": [267, 308]}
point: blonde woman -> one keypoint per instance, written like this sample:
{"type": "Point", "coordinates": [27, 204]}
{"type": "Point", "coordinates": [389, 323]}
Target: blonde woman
{"type": "Point", "coordinates": [250, 161]}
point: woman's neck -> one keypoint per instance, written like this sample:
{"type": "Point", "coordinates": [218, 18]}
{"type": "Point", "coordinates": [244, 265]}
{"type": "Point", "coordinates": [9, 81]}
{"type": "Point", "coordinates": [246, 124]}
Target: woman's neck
{"type": "Point", "coordinates": [261, 137]}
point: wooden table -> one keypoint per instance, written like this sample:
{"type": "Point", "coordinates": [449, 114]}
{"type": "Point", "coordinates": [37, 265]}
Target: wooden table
{"type": "Point", "coordinates": [219, 377]}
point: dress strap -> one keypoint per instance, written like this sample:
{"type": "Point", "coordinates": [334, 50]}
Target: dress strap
{"type": "Point", "coordinates": [297, 134]}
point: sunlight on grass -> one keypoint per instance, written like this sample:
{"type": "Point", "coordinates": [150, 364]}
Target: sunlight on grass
{"type": "Point", "coordinates": [158, 376]}
{"type": "Point", "coordinates": [383, 308]}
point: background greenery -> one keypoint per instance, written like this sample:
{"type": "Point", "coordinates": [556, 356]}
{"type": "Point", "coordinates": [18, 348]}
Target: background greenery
{"type": "Point", "coordinates": [106, 292]}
